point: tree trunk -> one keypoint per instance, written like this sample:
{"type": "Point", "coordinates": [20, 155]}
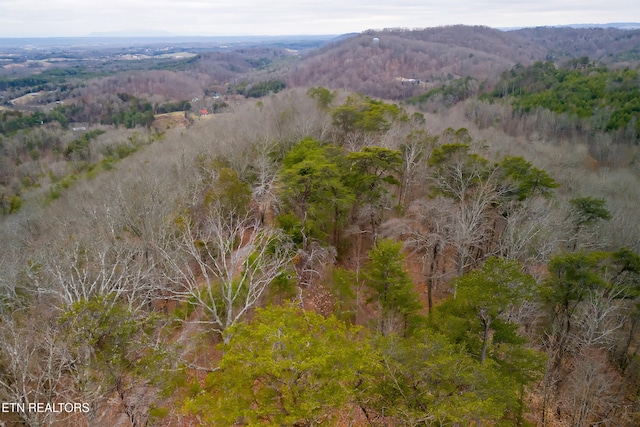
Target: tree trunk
{"type": "Point", "coordinates": [432, 268]}
{"type": "Point", "coordinates": [486, 322]}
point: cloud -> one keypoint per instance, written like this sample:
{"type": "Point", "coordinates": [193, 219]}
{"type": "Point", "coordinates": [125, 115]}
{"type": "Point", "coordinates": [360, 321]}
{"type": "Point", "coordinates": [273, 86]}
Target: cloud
{"type": "Point", "coordinates": [75, 18]}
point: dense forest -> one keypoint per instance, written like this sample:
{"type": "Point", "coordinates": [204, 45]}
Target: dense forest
{"type": "Point", "coordinates": [463, 252]}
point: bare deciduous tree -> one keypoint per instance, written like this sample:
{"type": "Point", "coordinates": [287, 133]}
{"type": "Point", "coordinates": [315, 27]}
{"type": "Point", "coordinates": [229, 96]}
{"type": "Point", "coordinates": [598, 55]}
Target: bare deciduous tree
{"type": "Point", "coordinates": [266, 171]}
{"type": "Point", "coordinates": [82, 269]}
{"type": "Point", "coordinates": [425, 232]}
{"type": "Point", "coordinates": [225, 266]}
{"type": "Point", "coordinates": [11, 265]}
{"type": "Point", "coordinates": [530, 232]}
{"type": "Point", "coordinates": [600, 317]}
{"type": "Point", "coordinates": [414, 152]}
{"type": "Point", "coordinates": [592, 391]}
{"type": "Point", "coordinates": [471, 184]}
{"type": "Point", "coordinates": [34, 364]}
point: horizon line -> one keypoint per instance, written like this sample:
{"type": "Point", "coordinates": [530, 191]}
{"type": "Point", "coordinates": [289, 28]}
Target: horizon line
{"type": "Point", "coordinates": [124, 34]}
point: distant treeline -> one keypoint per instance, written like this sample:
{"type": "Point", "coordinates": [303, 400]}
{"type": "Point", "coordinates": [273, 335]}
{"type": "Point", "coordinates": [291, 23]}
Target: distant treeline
{"type": "Point", "coordinates": [170, 107]}
{"type": "Point", "coordinates": [257, 90]}
{"type": "Point", "coordinates": [451, 93]}
{"type": "Point", "coordinates": [13, 121]}
{"type": "Point", "coordinates": [127, 110]}
{"type": "Point", "coordinates": [46, 80]}
{"type": "Point", "coordinates": [609, 99]}
{"type": "Point", "coordinates": [31, 81]}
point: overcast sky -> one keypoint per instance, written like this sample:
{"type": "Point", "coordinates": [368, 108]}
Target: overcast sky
{"type": "Point", "coordinates": [53, 18]}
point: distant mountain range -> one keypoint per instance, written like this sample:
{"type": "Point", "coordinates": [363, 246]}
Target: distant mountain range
{"type": "Point", "coordinates": [618, 25]}
{"type": "Point", "coordinates": [132, 33]}
{"type": "Point", "coordinates": [160, 33]}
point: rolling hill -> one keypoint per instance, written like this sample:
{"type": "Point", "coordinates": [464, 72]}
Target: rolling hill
{"type": "Point", "coordinates": [436, 55]}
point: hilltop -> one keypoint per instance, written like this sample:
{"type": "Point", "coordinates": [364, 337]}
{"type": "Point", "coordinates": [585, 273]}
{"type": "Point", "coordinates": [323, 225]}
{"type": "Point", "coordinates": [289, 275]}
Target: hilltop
{"type": "Point", "coordinates": [436, 55]}
{"type": "Point", "coordinates": [431, 55]}
{"type": "Point", "coordinates": [603, 44]}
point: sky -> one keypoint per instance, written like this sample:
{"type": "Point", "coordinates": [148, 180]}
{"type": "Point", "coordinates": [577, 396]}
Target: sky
{"type": "Point", "coordinates": [70, 18]}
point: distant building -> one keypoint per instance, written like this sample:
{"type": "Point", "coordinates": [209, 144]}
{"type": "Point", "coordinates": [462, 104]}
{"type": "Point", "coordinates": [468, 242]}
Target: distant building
{"type": "Point", "coordinates": [406, 81]}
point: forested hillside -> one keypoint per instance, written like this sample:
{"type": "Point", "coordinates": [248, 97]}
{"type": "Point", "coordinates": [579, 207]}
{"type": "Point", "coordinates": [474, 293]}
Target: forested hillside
{"type": "Point", "coordinates": [431, 56]}
{"type": "Point", "coordinates": [602, 44]}
{"type": "Point", "coordinates": [319, 256]}
{"type": "Point", "coordinates": [609, 99]}
{"type": "Point", "coordinates": [374, 62]}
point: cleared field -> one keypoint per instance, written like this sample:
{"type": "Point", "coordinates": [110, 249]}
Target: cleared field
{"type": "Point", "coordinates": [26, 99]}
{"type": "Point", "coordinates": [170, 120]}
{"type": "Point", "coordinates": [176, 55]}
